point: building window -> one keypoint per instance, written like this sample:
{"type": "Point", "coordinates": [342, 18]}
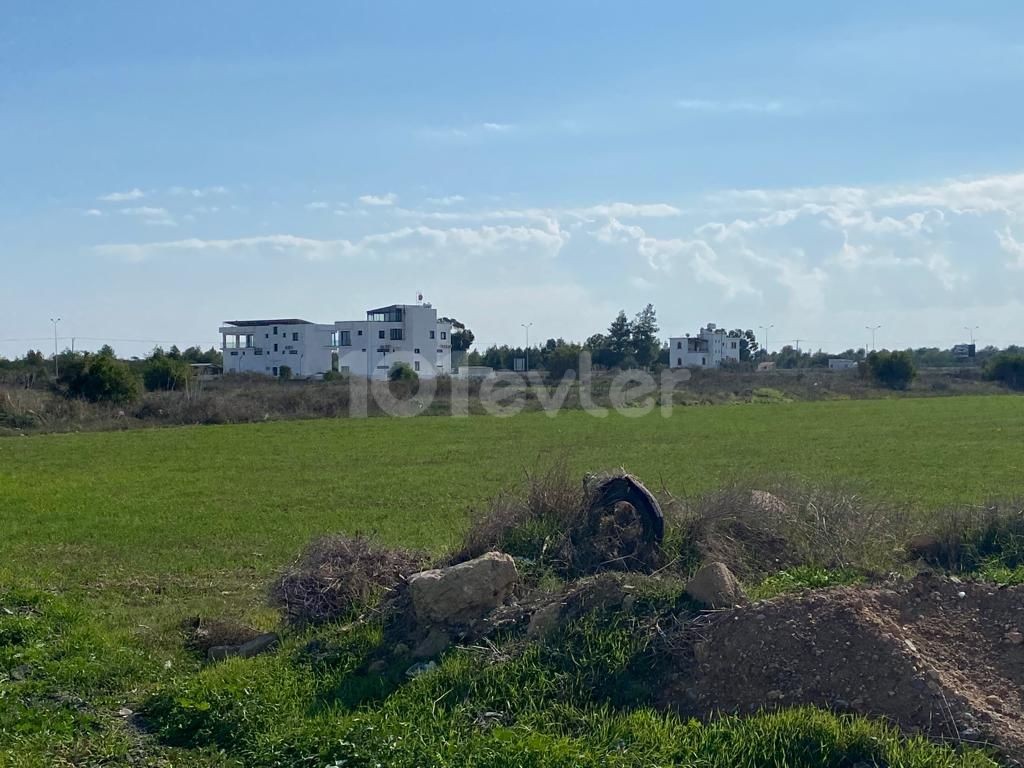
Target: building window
{"type": "Point", "coordinates": [294, 352]}
{"type": "Point", "coordinates": [431, 334]}
{"type": "Point", "coordinates": [275, 347]}
{"type": "Point", "coordinates": [385, 315]}
{"type": "Point", "coordinates": [396, 334]}
{"type": "Point", "coordinates": [266, 335]}
{"type": "Point", "coordinates": [295, 336]}
{"type": "Point", "coordinates": [380, 334]}
{"type": "Point", "coordinates": [359, 332]}
{"type": "Point", "coordinates": [416, 351]}
{"type": "Point", "coordinates": [734, 345]}
{"type": "Point", "coordinates": [416, 365]}
{"type": "Point", "coordinates": [444, 335]}
{"type": "Point", "coordinates": [679, 345]}
{"type": "Point", "coordinates": [679, 362]}
{"type": "Point", "coordinates": [275, 330]}
{"type": "Point", "coordinates": [345, 339]}
{"type": "Point", "coordinates": [274, 369]}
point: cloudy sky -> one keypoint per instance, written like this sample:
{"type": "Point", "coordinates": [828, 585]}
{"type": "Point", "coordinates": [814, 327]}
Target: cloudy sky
{"type": "Point", "coordinates": [804, 165]}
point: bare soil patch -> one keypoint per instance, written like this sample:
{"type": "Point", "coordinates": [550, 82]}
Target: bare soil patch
{"type": "Point", "coordinates": [933, 655]}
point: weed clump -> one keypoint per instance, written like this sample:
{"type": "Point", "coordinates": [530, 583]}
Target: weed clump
{"type": "Point", "coordinates": [757, 533]}
{"type": "Point", "coordinates": [978, 538]}
{"type": "Point", "coordinates": [337, 575]}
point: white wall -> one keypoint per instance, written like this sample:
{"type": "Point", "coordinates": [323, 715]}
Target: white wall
{"type": "Point", "coordinates": [305, 348]}
{"type": "Point", "coordinates": [720, 349]}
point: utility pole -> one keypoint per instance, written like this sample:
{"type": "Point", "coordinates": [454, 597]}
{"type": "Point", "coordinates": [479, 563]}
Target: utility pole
{"type": "Point", "coordinates": [56, 365]}
{"type": "Point", "coordinates": [765, 329]}
{"type": "Point", "coordinates": [873, 329]}
{"type": "Point", "coordinates": [971, 331]}
{"type": "Point", "coordinates": [527, 327]}
{"type": "Point", "coordinates": [797, 342]}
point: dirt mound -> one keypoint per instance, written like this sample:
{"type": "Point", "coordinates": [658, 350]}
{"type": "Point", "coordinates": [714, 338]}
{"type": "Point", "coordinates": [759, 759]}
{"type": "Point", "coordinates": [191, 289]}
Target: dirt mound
{"type": "Point", "coordinates": [934, 655]}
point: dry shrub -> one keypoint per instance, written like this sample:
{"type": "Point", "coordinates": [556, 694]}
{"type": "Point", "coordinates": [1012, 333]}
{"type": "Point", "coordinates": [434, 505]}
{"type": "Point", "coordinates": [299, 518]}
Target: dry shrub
{"type": "Point", "coordinates": [337, 575]}
{"type": "Point", "coordinates": [530, 523]}
{"type": "Point", "coordinates": [758, 532]}
{"type": "Point", "coordinates": [969, 537]}
{"type": "Point", "coordinates": [554, 522]}
{"type": "Point", "coordinates": [203, 634]}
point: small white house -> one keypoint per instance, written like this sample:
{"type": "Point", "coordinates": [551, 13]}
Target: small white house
{"type": "Point", "coordinates": [841, 364]}
{"type": "Point", "coordinates": [709, 349]}
{"type": "Point", "coordinates": [267, 346]}
{"type": "Point", "coordinates": [400, 333]}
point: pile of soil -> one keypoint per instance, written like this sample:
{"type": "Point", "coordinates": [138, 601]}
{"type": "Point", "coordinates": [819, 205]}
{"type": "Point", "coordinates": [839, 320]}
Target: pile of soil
{"type": "Point", "coordinates": [933, 655]}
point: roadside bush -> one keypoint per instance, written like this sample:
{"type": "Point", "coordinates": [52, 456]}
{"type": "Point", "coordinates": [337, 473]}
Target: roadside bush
{"type": "Point", "coordinates": [284, 373]}
{"type": "Point", "coordinates": [894, 370]}
{"type": "Point", "coordinates": [402, 372]}
{"type": "Point", "coordinates": [165, 373]}
{"type": "Point", "coordinates": [1007, 369]}
{"type": "Point", "coordinates": [100, 379]}
{"type": "Point", "coordinates": [337, 575]}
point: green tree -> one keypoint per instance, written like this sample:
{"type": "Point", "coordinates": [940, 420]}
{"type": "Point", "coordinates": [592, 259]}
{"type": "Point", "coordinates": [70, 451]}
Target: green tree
{"type": "Point", "coordinates": [644, 336]}
{"type": "Point", "coordinates": [1006, 368]}
{"type": "Point", "coordinates": [165, 373]}
{"type": "Point", "coordinates": [99, 378]}
{"type": "Point", "coordinates": [106, 351]}
{"type": "Point", "coordinates": [402, 372]}
{"type": "Point", "coordinates": [892, 369]}
{"type": "Point", "coordinates": [619, 339]}
{"type": "Point", "coordinates": [748, 343]}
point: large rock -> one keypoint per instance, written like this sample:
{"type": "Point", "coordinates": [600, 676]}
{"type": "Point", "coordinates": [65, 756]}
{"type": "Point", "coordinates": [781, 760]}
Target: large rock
{"type": "Point", "coordinates": [715, 587]}
{"type": "Point", "coordinates": [463, 592]}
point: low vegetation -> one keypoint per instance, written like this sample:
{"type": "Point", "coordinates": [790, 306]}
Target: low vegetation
{"type": "Point", "coordinates": [130, 564]}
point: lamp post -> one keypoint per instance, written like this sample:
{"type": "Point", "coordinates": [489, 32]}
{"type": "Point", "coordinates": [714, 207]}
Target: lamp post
{"type": "Point", "coordinates": [971, 330]}
{"type": "Point", "coordinates": [873, 329]}
{"type": "Point", "coordinates": [56, 365]}
{"type": "Point", "coordinates": [527, 327]}
{"type": "Point", "coordinates": [764, 333]}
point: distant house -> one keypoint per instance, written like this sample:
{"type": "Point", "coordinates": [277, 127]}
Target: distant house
{"type": "Point", "coordinates": [267, 346]}
{"type": "Point", "coordinates": [709, 349]}
{"type": "Point", "coordinates": [841, 364]}
{"type": "Point", "coordinates": [399, 333]}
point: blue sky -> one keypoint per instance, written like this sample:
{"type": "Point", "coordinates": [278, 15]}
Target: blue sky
{"type": "Point", "coordinates": [815, 167]}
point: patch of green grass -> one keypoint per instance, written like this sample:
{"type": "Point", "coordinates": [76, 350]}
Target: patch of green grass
{"type": "Point", "coordinates": [801, 578]}
{"type": "Point", "coordinates": [551, 705]}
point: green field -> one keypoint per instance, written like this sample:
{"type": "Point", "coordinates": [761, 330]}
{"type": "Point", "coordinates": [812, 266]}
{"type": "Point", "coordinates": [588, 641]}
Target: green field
{"type": "Point", "coordinates": [145, 527]}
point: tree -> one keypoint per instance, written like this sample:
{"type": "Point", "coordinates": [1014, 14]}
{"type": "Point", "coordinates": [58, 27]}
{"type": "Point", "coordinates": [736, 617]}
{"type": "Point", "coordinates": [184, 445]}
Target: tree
{"type": "Point", "coordinates": [99, 378]}
{"type": "Point", "coordinates": [402, 372]}
{"type": "Point", "coordinates": [644, 336]}
{"type": "Point", "coordinates": [165, 373]}
{"type": "Point", "coordinates": [892, 369]}
{"type": "Point", "coordinates": [462, 340]}
{"type": "Point", "coordinates": [620, 335]}
{"type": "Point", "coordinates": [106, 351]}
{"type": "Point", "coordinates": [284, 373]}
{"type": "Point", "coordinates": [1006, 368]}
{"type": "Point", "coordinates": [748, 343]}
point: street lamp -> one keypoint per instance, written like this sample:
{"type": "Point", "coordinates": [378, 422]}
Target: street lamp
{"type": "Point", "coordinates": [527, 327]}
{"type": "Point", "coordinates": [873, 329]}
{"type": "Point", "coordinates": [971, 331]}
{"type": "Point", "coordinates": [764, 333]}
{"type": "Point", "coordinates": [56, 365]}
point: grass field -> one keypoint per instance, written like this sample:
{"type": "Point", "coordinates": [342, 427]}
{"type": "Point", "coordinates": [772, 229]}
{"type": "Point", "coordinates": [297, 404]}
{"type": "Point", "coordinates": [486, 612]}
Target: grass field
{"type": "Point", "coordinates": [142, 528]}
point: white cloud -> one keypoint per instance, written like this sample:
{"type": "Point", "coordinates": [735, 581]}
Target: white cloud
{"type": "Point", "coordinates": [446, 200]}
{"type": "Point", "coordinates": [93, 212]}
{"type": "Point", "coordinates": [389, 199]}
{"type": "Point", "coordinates": [120, 197]}
{"type": "Point", "coordinates": [713, 105]}
{"type": "Point", "coordinates": [1012, 246]}
{"type": "Point", "coordinates": [397, 245]}
{"type": "Point", "coordinates": [151, 215]}
{"type": "Point", "coordinates": [497, 127]}
{"type": "Point", "coordinates": [317, 205]}
{"type": "Point", "coordinates": [198, 191]}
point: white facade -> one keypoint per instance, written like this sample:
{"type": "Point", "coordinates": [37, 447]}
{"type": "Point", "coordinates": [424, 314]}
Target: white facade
{"type": "Point", "coordinates": [400, 333]}
{"type": "Point", "coordinates": [709, 349]}
{"type": "Point", "coordinates": [265, 346]}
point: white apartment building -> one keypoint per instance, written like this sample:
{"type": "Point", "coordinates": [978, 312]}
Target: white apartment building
{"type": "Point", "coordinates": [265, 346]}
{"type": "Point", "coordinates": [400, 333]}
{"type": "Point", "coordinates": [709, 349]}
